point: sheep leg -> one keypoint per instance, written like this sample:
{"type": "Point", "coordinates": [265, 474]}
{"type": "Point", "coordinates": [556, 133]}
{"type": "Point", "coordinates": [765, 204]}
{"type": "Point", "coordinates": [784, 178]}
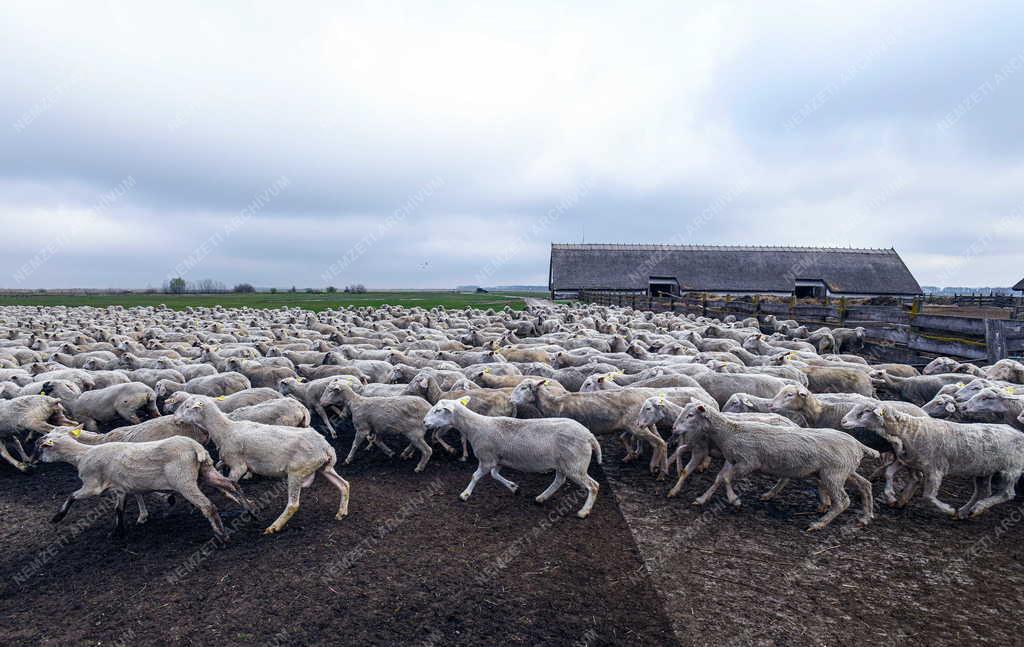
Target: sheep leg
{"type": "Point", "coordinates": [550, 491]}
{"type": "Point", "coordinates": [143, 511]}
{"type": "Point", "coordinates": [867, 500]}
{"type": "Point", "coordinates": [933, 480]}
{"type": "Point", "coordinates": [478, 474]}
{"type": "Point", "coordinates": [737, 471]}
{"type": "Point", "coordinates": [81, 493]}
{"type": "Point", "coordinates": [677, 457]}
{"type": "Point", "coordinates": [379, 442]}
{"type": "Point", "coordinates": [496, 475]}
{"type": "Point", "coordinates": [1007, 493]}
{"type": "Point", "coordinates": [591, 486]}
{"type": "Point", "coordinates": [891, 470]}
{"type": "Point", "coordinates": [294, 492]}
{"type": "Point", "coordinates": [119, 529]}
{"type": "Point", "coordinates": [22, 467]}
{"type": "Point", "coordinates": [631, 452]}
{"type": "Point", "coordinates": [361, 434]}
{"type": "Point", "coordinates": [695, 458]}
{"type": "Point", "coordinates": [440, 441]}
{"type": "Point", "coordinates": [227, 487]}
{"type": "Point", "coordinates": [774, 492]}
{"type": "Point", "coordinates": [236, 472]}
{"type": "Point", "coordinates": [191, 493]}
{"type": "Point", "coordinates": [327, 421]}
{"type": "Point", "coordinates": [702, 499]}
{"type": "Point", "coordinates": [658, 448]}
{"type": "Point", "coordinates": [21, 450]}
{"type": "Point", "coordinates": [407, 452]}
{"type": "Point", "coordinates": [908, 490]}
{"type": "Point", "coordinates": [425, 452]}
{"type": "Point", "coordinates": [704, 464]}
{"type": "Point", "coordinates": [343, 487]}
{"type": "Point", "coordinates": [465, 448]}
{"type": "Point", "coordinates": [886, 459]}
{"type": "Point", "coordinates": [982, 490]}
{"type": "Point", "coordinates": [833, 484]}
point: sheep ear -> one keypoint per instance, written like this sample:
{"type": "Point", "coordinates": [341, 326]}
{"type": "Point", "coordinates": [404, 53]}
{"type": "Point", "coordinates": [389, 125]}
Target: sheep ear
{"type": "Point", "coordinates": [701, 408]}
{"type": "Point", "coordinates": [545, 382]}
{"type": "Point", "coordinates": [487, 370]}
{"type": "Point", "coordinates": [880, 412]}
{"type": "Point", "coordinates": [950, 407]}
{"type": "Point", "coordinates": [661, 398]}
{"type": "Point", "coordinates": [1008, 390]}
{"type": "Point", "coordinates": [960, 385]}
{"type": "Point", "coordinates": [464, 401]}
{"type": "Point", "coordinates": [221, 397]}
{"type": "Point", "coordinates": [76, 432]}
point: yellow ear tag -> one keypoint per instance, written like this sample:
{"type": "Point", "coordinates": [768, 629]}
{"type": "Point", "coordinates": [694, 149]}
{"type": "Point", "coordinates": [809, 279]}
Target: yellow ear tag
{"type": "Point", "coordinates": [880, 412]}
{"type": "Point", "coordinates": [545, 382]}
{"type": "Point", "coordinates": [222, 397]}
{"type": "Point", "coordinates": [661, 398]}
{"type": "Point", "coordinates": [464, 401]}
{"type": "Point", "coordinates": [960, 385]}
{"type": "Point", "coordinates": [1008, 390]}
{"type": "Point", "coordinates": [76, 432]}
{"type": "Point", "coordinates": [487, 370]}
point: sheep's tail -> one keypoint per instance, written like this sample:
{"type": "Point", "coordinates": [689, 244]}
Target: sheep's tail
{"type": "Point", "coordinates": [595, 447]}
{"type": "Point", "coordinates": [870, 453]}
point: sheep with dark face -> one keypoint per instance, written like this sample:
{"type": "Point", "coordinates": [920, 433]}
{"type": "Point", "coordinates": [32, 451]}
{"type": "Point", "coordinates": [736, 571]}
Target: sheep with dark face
{"type": "Point", "coordinates": [939, 448]}
{"type": "Point", "coordinates": [544, 445]}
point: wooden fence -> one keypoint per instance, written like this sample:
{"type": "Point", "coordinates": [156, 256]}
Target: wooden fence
{"type": "Point", "coordinates": [893, 333]}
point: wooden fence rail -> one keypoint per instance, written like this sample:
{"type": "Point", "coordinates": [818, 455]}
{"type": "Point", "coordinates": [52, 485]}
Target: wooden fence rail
{"type": "Point", "coordinates": [899, 333]}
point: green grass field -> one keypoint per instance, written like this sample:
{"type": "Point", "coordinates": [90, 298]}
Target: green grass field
{"type": "Point", "coordinates": [319, 301]}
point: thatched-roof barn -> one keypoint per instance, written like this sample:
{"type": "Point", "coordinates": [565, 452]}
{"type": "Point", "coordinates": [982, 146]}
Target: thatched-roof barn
{"type": "Point", "coordinates": [675, 269]}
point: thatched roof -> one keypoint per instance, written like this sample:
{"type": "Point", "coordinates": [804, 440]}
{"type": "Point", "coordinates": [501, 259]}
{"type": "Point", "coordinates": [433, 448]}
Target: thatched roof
{"type": "Point", "coordinates": [1020, 285]}
{"type": "Point", "coordinates": [724, 268]}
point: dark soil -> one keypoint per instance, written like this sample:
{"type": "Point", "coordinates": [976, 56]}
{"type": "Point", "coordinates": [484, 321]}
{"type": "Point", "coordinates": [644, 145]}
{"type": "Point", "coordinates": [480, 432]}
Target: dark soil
{"type": "Point", "coordinates": [754, 576]}
{"type": "Point", "coordinates": [414, 565]}
{"type": "Point", "coordinates": [496, 570]}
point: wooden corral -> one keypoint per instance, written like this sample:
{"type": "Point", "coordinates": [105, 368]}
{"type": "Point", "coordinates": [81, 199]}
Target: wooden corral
{"type": "Point", "coordinates": [894, 332]}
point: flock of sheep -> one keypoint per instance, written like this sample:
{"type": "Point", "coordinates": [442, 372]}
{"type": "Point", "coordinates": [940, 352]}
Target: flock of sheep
{"type": "Point", "coordinates": [150, 400]}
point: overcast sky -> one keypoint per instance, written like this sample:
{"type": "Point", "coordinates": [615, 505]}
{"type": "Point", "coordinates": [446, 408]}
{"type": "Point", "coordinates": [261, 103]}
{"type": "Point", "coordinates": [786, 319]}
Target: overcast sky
{"type": "Point", "coordinates": [433, 144]}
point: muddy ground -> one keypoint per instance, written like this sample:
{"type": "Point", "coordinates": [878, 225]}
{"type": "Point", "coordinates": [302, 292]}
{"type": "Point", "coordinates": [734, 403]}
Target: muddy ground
{"type": "Point", "coordinates": [414, 565]}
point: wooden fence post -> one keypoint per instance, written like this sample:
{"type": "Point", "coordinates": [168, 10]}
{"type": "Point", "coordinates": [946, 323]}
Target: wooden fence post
{"type": "Point", "coordinates": [995, 340]}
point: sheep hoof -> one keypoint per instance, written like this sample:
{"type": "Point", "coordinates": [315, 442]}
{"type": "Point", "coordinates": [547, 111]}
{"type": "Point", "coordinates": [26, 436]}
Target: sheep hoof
{"type": "Point", "coordinates": [271, 530]}
{"type": "Point", "coordinates": [673, 493]}
{"type": "Point", "coordinates": [814, 527]}
{"type": "Point", "coordinates": [26, 468]}
{"type": "Point", "coordinates": [340, 515]}
{"type": "Point", "coordinates": [699, 501]}
{"type": "Point", "coordinates": [464, 496]}
{"type": "Point", "coordinates": [515, 490]}
{"type": "Point", "coordinates": [737, 503]}
{"type": "Point", "coordinates": [864, 521]}
{"type": "Point", "coordinates": [582, 515]}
